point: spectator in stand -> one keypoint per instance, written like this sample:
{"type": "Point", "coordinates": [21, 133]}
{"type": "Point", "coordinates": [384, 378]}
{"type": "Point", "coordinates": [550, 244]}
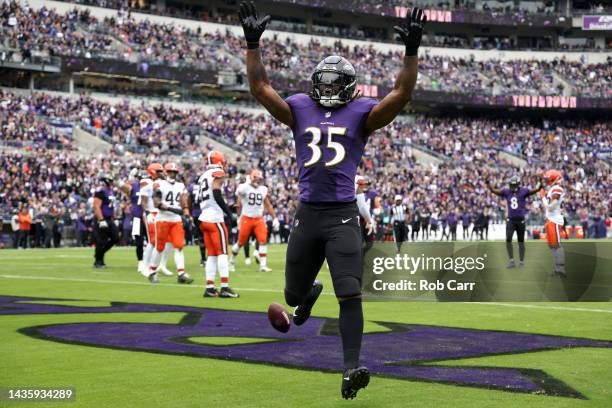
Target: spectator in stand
{"type": "Point", "coordinates": [25, 225]}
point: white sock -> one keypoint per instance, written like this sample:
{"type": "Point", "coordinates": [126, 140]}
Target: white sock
{"type": "Point", "coordinates": [154, 261]}
{"type": "Point", "coordinates": [223, 266]}
{"type": "Point", "coordinates": [146, 256]}
{"type": "Point", "coordinates": [211, 271]}
{"type": "Point", "coordinates": [164, 255]}
{"type": "Point", "coordinates": [263, 255]}
{"type": "Point", "coordinates": [179, 260]}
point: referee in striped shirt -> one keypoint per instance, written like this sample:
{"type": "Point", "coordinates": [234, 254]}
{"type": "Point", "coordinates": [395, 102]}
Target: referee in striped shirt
{"type": "Point", "coordinates": [399, 217]}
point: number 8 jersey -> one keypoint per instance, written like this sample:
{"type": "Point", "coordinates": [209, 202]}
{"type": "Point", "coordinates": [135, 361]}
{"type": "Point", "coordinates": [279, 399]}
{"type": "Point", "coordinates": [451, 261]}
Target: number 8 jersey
{"type": "Point", "coordinates": [211, 212]}
{"type": "Point", "coordinates": [252, 199]}
{"type": "Point", "coordinates": [329, 144]}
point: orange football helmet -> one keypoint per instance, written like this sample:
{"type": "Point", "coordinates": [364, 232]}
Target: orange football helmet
{"type": "Point", "coordinates": [551, 177]}
{"type": "Point", "coordinates": [256, 174]}
{"type": "Point", "coordinates": [215, 158]}
{"type": "Point", "coordinates": [153, 169]}
{"type": "Point", "coordinates": [171, 167]}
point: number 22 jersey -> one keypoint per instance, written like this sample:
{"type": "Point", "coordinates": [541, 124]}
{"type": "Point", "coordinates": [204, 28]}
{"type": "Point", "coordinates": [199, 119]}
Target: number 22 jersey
{"type": "Point", "coordinates": [329, 144]}
{"type": "Point", "coordinates": [211, 212]}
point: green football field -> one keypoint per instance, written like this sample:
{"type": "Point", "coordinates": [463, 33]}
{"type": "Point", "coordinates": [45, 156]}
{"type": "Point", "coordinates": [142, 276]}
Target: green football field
{"type": "Point", "coordinates": [146, 375]}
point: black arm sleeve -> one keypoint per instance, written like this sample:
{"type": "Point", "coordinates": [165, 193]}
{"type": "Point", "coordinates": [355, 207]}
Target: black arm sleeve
{"type": "Point", "coordinates": [221, 202]}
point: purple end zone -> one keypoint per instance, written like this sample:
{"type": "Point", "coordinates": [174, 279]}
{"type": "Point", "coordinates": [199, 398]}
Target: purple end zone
{"type": "Point", "coordinates": [403, 352]}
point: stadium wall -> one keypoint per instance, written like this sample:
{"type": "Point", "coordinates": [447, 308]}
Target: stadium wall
{"type": "Point", "coordinates": [479, 55]}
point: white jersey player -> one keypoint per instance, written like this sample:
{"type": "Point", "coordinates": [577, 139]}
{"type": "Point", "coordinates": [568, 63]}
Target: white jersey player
{"type": "Point", "coordinates": [552, 201]}
{"type": "Point", "coordinates": [212, 225]}
{"type": "Point", "coordinates": [171, 200]}
{"type": "Point", "coordinates": [251, 200]}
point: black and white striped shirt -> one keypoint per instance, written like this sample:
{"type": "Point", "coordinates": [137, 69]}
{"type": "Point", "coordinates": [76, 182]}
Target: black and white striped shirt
{"type": "Point", "coordinates": [398, 213]}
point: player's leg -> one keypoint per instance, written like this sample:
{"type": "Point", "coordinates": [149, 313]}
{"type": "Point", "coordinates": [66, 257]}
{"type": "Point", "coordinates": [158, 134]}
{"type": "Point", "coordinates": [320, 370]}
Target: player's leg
{"type": "Point", "coordinates": [509, 234]}
{"type": "Point", "coordinates": [113, 236]}
{"type": "Point", "coordinates": [520, 235]}
{"type": "Point", "coordinates": [208, 229]}
{"type": "Point", "coordinates": [260, 230]}
{"type": "Point", "coordinates": [342, 251]}
{"type": "Point", "coordinates": [244, 231]}
{"type": "Point", "coordinates": [256, 246]}
{"type": "Point", "coordinates": [553, 236]}
{"type": "Point", "coordinates": [161, 234]}
{"type": "Point", "coordinates": [177, 237]}
{"type": "Point", "coordinates": [165, 254]}
{"type": "Point", "coordinates": [303, 260]}
{"type": "Point", "coordinates": [100, 236]}
{"type": "Point", "coordinates": [222, 243]}
{"type": "Point", "coordinates": [396, 236]}
{"type": "Point", "coordinates": [139, 240]}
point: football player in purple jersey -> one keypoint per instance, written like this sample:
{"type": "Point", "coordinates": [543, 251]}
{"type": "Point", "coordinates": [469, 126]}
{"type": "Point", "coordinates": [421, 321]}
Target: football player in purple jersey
{"type": "Point", "coordinates": [516, 196]}
{"type": "Point", "coordinates": [330, 125]}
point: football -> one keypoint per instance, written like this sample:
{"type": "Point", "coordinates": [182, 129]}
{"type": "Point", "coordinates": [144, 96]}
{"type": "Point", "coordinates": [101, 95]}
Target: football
{"type": "Point", "coordinates": [279, 317]}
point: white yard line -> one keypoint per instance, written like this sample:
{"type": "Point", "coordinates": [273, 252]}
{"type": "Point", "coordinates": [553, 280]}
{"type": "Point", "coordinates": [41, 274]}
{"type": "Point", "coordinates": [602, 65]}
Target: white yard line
{"type": "Point", "coordinates": [576, 309]}
{"type": "Point", "coordinates": [117, 282]}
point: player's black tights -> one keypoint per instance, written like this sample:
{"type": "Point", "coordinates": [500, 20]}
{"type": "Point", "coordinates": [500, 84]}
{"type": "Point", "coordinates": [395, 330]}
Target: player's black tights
{"type": "Point", "coordinates": [106, 238]}
{"type": "Point", "coordinates": [351, 330]}
{"type": "Point", "coordinates": [139, 241]}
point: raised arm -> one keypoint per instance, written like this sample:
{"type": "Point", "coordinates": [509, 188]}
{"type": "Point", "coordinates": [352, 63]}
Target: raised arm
{"type": "Point", "coordinates": [256, 72]}
{"type": "Point", "coordinates": [392, 104]}
{"type": "Point", "coordinates": [535, 190]}
{"type": "Point", "coordinates": [492, 189]}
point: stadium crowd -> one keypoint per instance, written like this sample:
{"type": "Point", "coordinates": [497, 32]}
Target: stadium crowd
{"type": "Point", "coordinates": [77, 33]}
{"type": "Point", "coordinates": [56, 186]}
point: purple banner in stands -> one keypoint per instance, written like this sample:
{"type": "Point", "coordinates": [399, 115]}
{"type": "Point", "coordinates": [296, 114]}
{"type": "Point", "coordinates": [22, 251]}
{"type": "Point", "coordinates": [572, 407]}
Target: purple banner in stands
{"type": "Point", "coordinates": [597, 22]}
{"type": "Point", "coordinates": [471, 16]}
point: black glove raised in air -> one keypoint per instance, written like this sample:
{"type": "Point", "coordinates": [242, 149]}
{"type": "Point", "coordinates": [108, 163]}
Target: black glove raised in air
{"type": "Point", "coordinates": [411, 30]}
{"type": "Point", "coordinates": [252, 25]}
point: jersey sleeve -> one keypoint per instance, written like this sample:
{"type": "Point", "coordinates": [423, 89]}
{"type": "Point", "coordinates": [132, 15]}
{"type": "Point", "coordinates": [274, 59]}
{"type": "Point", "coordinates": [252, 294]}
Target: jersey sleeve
{"type": "Point", "coordinates": [505, 192]}
{"type": "Point", "coordinates": [299, 101]}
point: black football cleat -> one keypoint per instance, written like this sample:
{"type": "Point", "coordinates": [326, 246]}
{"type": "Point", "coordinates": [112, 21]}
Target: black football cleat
{"type": "Point", "coordinates": [153, 278]}
{"type": "Point", "coordinates": [228, 292]}
{"type": "Point", "coordinates": [184, 278]}
{"type": "Point", "coordinates": [353, 380]}
{"type": "Point", "coordinates": [99, 265]}
{"type": "Point", "coordinates": [302, 312]}
{"type": "Point", "coordinates": [211, 292]}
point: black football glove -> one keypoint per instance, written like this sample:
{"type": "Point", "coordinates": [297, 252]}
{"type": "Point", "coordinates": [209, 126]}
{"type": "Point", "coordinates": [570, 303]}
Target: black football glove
{"type": "Point", "coordinates": [253, 27]}
{"type": "Point", "coordinates": [411, 30]}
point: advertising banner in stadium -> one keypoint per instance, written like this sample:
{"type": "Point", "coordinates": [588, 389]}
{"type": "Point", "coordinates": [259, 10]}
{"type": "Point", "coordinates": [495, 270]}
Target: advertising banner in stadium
{"type": "Point", "coordinates": [597, 22]}
{"type": "Point", "coordinates": [477, 272]}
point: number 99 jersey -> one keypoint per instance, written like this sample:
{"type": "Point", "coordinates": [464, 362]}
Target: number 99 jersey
{"type": "Point", "coordinates": [211, 212]}
{"type": "Point", "coordinates": [252, 199]}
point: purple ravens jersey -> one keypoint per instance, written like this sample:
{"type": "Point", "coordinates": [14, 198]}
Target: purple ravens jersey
{"type": "Point", "coordinates": [194, 191]}
{"type": "Point", "coordinates": [106, 195]}
{"type": "Point", "coordinates": [516, 201]}
{"type": "Point", "coordinates": [329, 144]}
{"type": "Point", "coordinates": [135, 208]}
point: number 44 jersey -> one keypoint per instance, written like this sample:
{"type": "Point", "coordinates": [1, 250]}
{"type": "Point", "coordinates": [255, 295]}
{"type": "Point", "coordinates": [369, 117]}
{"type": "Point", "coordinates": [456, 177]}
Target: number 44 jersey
{"type": "Point", "coordinates": [211, 212]}
{"type": "Point", "coordinates": [252, 199]}
{"type": "Point", "coordinates": [170, 196]}
{"type": "Point", "coordinates": [329, 144]}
